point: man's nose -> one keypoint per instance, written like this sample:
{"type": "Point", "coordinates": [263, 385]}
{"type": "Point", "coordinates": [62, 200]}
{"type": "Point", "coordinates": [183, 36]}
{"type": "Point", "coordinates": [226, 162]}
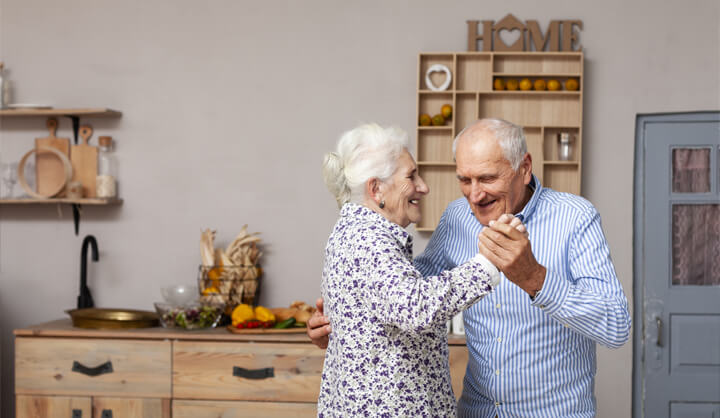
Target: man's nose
{"type": "Point", "coordinates": [477, 192]}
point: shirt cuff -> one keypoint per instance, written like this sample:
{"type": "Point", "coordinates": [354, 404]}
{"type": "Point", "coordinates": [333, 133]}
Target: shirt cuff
{"type": "Point", "coordinates": [552, 296]}
{"type": "Point", "coordinates": [489, 268]}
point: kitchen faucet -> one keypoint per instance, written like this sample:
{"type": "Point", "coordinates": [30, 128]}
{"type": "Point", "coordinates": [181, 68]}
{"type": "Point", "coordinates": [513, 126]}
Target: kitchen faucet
{"type": "Point", "coordinates": [85, 299]}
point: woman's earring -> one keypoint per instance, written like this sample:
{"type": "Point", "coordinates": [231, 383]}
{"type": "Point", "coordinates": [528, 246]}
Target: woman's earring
{"type": "Point", "coordinates": [382, 204]}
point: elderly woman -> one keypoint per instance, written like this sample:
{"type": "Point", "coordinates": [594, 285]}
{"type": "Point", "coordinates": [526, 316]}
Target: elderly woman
{"type": "Point", "coordinates": [388, 352]}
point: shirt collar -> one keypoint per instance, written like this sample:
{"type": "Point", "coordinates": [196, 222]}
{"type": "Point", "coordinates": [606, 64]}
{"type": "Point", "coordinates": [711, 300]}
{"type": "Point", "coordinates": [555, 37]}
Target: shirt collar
{"type": "Point", "coordinates": [355, 210]}
{"type": "Point", "coordinates": [530, 206]}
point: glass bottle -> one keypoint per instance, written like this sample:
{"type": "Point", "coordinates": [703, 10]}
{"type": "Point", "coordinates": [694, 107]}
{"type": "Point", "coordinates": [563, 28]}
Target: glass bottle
{"type": "Point", "coordinates": [106, 181]}
{"type": "Point", "coordinates": [564, 147]}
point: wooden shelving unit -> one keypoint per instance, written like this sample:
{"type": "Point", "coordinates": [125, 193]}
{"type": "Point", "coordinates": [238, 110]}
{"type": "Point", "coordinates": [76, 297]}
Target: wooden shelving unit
{"type": "Point", "coordinates": [543, 115]}
{"type": "Point", "coordinates": [74, 114]}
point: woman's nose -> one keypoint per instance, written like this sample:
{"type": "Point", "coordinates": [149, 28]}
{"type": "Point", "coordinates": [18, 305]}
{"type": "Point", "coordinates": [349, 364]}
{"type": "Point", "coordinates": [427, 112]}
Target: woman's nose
{"type": "Point", "coordinates": [422, 187]}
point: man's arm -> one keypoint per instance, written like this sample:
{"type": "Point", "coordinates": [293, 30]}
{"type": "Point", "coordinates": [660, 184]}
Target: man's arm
{"type": "Point", "coordinates": [587, 297]}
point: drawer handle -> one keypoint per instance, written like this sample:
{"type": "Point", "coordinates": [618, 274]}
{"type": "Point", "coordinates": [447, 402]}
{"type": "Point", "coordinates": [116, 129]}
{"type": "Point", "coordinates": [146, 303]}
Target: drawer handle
{"type": "Point", "coordinates": [92, 371]}
{"type": "Point", "coordinates": [253, 374]}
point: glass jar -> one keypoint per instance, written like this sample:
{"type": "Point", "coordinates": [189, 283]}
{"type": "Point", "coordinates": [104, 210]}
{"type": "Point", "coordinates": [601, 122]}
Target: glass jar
{"type": "Point", "coordinates": [564, 147]}
{"type": "Point", "coordinates": [106, 181]}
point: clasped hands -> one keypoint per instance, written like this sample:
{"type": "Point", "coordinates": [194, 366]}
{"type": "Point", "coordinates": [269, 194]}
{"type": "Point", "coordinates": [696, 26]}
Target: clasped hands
{"type": "Point", "coordinates": [505, 243]}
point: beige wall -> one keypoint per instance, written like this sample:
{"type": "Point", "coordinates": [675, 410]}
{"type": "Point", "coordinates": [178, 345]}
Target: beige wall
{"type": "Point", "coordinates": [229, 105]}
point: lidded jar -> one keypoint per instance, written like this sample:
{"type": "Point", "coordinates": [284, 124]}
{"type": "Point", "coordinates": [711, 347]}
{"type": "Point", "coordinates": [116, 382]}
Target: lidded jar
{"type": "Point", "coordinates": [564, 147]}
{"type": "Point", "coordinates": [106, 181]}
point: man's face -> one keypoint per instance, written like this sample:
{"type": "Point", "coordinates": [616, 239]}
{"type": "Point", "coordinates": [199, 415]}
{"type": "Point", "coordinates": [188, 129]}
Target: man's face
{"type": "Point", "coordinates": [487, 179]}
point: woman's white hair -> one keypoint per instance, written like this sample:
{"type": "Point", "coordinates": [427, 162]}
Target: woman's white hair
{"type": "Point", "coordinates": [510, 137]}
{"type": "Point", "coordinates": [368, 151]}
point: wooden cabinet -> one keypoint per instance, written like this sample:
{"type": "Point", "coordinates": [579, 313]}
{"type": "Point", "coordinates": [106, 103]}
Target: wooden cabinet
{"type": "Point", "coordinates": [61, 371]}
{"type": "Point", "coordinates": [472, 94]}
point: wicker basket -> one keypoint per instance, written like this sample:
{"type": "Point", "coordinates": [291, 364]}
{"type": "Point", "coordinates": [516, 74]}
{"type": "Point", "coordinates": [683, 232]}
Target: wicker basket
{"type": "Point", "coordinates": [229, 285]}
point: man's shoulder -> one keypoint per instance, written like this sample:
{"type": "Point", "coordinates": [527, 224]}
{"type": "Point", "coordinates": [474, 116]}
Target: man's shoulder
{"type": "Point", "coordinates": [457, 209]}
{"type": "Point", "coordinates": [553, 200]}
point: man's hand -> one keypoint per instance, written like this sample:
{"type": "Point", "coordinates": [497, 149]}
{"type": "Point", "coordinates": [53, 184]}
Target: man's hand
{"type": "Point", "coordinates": [505, 243]}
{"type": "Point", "coordinates": [318, 326]}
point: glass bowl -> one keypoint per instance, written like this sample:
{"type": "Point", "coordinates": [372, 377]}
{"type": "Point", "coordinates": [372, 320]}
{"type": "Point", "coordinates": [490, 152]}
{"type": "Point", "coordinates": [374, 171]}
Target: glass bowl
{"type": "Point", "coordinates": [180, 294]}
{"type": "Point", "coordinates": [189, 316]}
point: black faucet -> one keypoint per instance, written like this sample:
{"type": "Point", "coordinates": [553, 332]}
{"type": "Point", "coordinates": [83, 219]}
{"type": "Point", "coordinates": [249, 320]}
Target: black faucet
{"type": "Point", "coordinates": [85, 299]}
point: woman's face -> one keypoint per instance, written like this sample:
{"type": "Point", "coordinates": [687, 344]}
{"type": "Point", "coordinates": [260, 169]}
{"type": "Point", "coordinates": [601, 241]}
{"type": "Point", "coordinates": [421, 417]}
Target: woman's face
{"type": "Point", "coordinates": [403, 192]}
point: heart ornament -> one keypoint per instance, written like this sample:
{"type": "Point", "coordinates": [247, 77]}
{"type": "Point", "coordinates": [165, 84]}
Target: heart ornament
{"type": "Point", "coordinates": [438, 68]}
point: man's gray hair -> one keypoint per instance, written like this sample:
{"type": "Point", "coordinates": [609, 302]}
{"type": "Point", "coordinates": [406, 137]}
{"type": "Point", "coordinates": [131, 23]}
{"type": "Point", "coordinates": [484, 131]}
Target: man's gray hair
{"type": "Point", "coordinates": [368, 151]}
{"type": "Point", "coordinates": [510, 137]}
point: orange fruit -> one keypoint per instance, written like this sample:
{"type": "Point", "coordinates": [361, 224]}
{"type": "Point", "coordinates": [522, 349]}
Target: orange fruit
{"type": "Point", "coordinates": [438, 120]}
{"type": "Point", "coordinates": [446, 111]}
{"type": "Point", "coordinates": [572, 84]}
{"type": "Point", "coordinates": [511, 84]}
{"type": "Point", "coordinates": [425, 120]}
{"type": "Point", "coordinates": [539, 84]}
{"type": "Point", "coordinates": [499, 84]}
{"type": "Point", "coordinates": [525, 84]}
{"type": "Point", "coordinates": [553, 85]}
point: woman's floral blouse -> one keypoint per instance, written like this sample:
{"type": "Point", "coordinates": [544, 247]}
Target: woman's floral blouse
{"type": "Point", "coordinates": [388, 351]}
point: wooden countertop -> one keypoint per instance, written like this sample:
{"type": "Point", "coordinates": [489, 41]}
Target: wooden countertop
{"type": "Point", "coordinates": [64, 328]}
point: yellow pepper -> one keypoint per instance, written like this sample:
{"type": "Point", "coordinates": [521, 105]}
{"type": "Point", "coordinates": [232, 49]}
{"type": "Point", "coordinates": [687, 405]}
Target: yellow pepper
{"type": "Point", "coordinates": [242, 313]}
{"type": "Point", "coordinates": [263, 314]}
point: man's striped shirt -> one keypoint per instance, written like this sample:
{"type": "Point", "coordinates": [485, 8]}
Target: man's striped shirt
{"type": "Point", "coordinates": [536, 358]}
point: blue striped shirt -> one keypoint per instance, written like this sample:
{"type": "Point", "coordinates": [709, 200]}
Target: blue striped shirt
{"type": "Point", "coordinates": [536, 358]}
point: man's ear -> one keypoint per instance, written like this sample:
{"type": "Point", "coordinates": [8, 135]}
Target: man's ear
{"type": "Point", "coordinates": [526, 167]}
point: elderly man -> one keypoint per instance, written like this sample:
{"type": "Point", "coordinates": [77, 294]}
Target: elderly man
{"type": "Point", "coordinates": [532, 341]}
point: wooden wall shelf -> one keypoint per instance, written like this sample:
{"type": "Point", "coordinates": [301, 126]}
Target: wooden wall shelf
{"type": "Point", "coordinates": [542, 114]}
{"type": "Point", "coordinates": [94, 112]}
{"type": "Point", "coordinates": [93, 202]}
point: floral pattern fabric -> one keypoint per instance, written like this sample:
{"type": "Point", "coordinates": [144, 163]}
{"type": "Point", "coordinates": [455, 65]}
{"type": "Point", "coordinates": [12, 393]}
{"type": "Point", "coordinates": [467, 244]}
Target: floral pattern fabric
{"type": "Point", "coordinates": [388, 354]}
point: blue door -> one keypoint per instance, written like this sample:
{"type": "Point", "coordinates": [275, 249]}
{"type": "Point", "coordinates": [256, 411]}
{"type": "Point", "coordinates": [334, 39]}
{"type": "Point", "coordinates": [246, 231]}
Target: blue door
{"type": "Point", "coordinates": [677, 266]}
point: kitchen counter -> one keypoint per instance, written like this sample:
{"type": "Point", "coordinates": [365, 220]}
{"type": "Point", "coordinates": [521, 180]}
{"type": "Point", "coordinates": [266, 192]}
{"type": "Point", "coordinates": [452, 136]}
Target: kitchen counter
{"type": "Point", "coordinates": [61, 370]}
{"type": "Point", "coordinates": [64, 328]}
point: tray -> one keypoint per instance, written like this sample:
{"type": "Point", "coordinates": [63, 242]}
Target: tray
{"type": "Point", "coordinates": [294, 330]}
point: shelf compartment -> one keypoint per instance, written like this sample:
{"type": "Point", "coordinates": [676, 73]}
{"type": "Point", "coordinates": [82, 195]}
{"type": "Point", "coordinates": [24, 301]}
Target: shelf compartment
{"type": "Point", "coordinates": [537, 64]}
{"type": "Point", "coordinates": [563, 178]}
{"type": "Point", "coordinates": [95, 112]}
{"type": "Point", "coordinates": [444, 187]}
{"type": "Point", "coordinates": [431, 103]}
{"type": "Point", "coordinates": [550, 147]}
{"type": "Point", "coordinates": [474, 73]}
{"type": "Point", "coordinates": [435, 145]}
{"type": "Point", "coordinates": [465, 111]}
{"type": "Point", "coordinates": [534, 109]}
{"type": "Point", "coordinates": [427, 61]}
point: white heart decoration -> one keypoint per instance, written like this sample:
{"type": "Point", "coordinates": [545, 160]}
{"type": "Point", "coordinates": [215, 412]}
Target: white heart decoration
{"type": "Point", "coordinates": [439, 68]}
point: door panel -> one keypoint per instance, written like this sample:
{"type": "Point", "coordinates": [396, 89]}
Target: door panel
{"type": "Point", "coordinates": [694, 410]}
{"type": "Point", "coordinates": [677, 265]}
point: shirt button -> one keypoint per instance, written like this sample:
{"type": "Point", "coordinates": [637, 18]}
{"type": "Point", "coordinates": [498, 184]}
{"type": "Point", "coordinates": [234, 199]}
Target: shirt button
{"type": "Point", "coordinates": [497, 403]}
{"type": "Point", "coordinates": [497, 372]}
{"type": "Point", "coordinates": [542, 306]}
{"type": "Point", "coordinates": [497, 306]}
{"type": "Point", "coordinates": [499, 339]}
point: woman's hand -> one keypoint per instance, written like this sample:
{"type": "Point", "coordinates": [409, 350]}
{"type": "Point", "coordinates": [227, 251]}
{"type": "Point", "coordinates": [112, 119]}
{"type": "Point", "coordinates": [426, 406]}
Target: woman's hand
{"type": "Point", "coordinates": [318, 326]}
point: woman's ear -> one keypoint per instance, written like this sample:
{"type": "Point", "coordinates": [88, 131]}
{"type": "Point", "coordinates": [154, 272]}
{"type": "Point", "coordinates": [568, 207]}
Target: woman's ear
{"type": "Point", "coordinates": [372, 189]}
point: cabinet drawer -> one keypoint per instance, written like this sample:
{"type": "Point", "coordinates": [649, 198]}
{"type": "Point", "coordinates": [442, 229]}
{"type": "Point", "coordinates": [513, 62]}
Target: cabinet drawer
{"type": "Point", "coordinates": [206, 370]}
{"type": "Point", "coordinates": [237, 409]}
{"type": "Point", "coordinates": [89, 367]}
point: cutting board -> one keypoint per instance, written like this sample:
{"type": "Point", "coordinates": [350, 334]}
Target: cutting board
{"type": "Point", "coordinates": [49, 170]}
{"type": "Point", "coordinates": [294, 330]}
{"type": "Point", "coordinates": [84, 162]}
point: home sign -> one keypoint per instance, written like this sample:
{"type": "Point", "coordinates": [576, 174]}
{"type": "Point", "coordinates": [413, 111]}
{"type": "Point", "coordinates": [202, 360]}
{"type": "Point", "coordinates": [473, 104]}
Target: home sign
{"type": "Point", "coordinates": [561, 35]}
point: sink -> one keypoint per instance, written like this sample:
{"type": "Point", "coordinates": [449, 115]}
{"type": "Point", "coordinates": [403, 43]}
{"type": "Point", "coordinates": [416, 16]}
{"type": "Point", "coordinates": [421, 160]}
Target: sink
{"type": "Point", "coordinates": [112, 318]}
